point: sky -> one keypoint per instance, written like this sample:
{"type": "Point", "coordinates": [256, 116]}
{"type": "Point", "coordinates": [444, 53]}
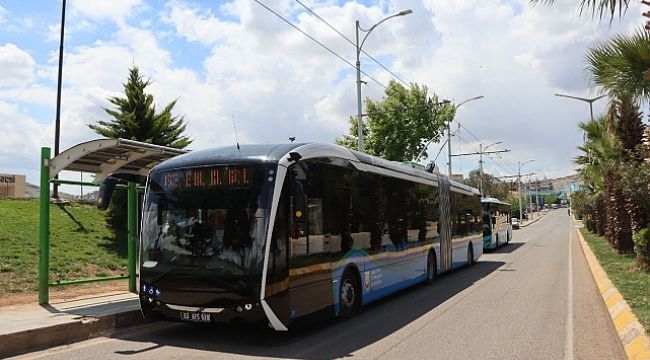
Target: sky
{"type": "Point", "coordinates": [235, 61]}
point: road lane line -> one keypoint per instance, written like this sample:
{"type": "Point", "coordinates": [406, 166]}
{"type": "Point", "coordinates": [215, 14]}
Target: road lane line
{"type": "Point", "coordinates": [568, 346]}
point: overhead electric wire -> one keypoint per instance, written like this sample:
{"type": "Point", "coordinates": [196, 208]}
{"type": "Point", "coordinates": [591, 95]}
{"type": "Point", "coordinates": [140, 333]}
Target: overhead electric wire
{"type": "Point", "coordinates": [469, 143]}
{"type": "Point", "coordinates": [489, 155]}
{"type": "Point", "coordinates": [351, 42]}
{"type": "Point", "coordinates": [317, 42]}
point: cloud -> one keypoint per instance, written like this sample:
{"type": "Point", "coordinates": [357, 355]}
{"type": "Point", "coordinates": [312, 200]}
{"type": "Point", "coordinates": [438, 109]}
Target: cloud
{"type": "Point", "coordinates": [276, 83]}
{"type": "Point", "coordinates": [23, 136]}
{"type": "Point", "coordinates": [106, 10]}
{"type": "Point", "coordinates": [197, 25]}
{"type": "Point", "coordinates": [3, 14]}
{"type": "Point", "coordinates": [17, 66]}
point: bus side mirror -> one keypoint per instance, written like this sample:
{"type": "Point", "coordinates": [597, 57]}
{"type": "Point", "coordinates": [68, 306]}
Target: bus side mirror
{"type": "Point", "coordinates": [105, 192]}
{"type": "Point", "coordinates": [107, 187]}
{"type": "Point", "coordinates": [299, 202]}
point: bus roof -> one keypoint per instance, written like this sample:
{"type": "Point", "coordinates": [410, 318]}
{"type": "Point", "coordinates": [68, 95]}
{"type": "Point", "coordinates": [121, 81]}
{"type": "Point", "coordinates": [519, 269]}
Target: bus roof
{"type": "Point", "coordinates": [493, 201]}
{"type": "Point", "coordinates": [273, 153]}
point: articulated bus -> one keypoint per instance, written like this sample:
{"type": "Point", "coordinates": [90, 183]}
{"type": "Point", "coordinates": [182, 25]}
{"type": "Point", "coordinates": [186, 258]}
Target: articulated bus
{"type": "Point", "coordinates": [497, 228]}
{"type": "Point", "coordinates": [281, 233]}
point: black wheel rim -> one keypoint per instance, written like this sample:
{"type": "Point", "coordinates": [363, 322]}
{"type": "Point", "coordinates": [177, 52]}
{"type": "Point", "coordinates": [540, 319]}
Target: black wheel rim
{"type": "Point", "coordinates": [430, 268]}
{"type": "Point", "coordinates": [348, 295]}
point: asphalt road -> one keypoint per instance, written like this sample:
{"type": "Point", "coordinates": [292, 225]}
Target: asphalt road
{"type": "Point", "coordinates": [532, 299]}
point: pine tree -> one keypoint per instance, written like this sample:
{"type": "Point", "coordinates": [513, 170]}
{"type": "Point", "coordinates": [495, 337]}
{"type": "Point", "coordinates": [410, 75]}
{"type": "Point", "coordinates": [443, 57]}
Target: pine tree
{"type": "Point", "coordinates": [135, 118]}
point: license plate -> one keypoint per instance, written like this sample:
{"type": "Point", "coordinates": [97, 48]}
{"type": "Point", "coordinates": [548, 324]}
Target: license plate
{"type": "Point", "coordinates": [195, 317]}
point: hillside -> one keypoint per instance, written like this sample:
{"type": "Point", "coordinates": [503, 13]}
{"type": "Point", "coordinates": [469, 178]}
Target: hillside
{"type": "Point", "coordinates": [81, 245]}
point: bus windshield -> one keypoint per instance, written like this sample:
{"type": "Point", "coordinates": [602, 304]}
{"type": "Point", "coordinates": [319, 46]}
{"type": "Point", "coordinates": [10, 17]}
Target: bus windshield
{"type": "Point", "coordinates": [208, 221]}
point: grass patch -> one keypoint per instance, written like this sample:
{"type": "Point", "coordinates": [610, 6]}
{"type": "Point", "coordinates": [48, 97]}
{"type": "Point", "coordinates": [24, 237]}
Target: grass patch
{"type": "Point", "coordinates": [81, 245]}
{"type": "Point", "coordinates": [632, 282]}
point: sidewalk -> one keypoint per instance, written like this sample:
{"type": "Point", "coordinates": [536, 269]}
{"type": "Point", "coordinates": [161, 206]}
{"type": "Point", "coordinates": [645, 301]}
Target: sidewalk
{"type": "Point", "coordinates": [24, 328]}
{"type": "Point", "coordinates": [538, 216]}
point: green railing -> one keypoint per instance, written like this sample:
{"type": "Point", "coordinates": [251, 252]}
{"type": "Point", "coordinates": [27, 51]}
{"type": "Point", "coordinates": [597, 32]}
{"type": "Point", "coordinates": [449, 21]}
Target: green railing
{"type": "Point", "coordinates": [44, 230]}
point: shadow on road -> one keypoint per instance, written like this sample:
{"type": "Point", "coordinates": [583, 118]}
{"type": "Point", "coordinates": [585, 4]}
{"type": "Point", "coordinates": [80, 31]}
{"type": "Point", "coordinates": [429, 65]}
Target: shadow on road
{"type": "Point", "coordinates": [327, 340]}
{"type": "Point", "coordinates": [507, 249]}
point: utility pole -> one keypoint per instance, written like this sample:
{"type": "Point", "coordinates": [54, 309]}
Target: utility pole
{"type": "Point", "coordinates": [529, 198]}
{"type": "Point", "coordinates": [449, 129]}
{"type": "Point", "coordinates": [449, 147]}
{"type": "Point", "coordinates": [537, 193]}
{"type": "Point", "coordinates": [481, 152]}
{"type": "Point", "coordinates": [519, 165]}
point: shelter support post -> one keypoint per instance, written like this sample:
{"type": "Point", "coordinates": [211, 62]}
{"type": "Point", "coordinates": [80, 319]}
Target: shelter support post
{"type": "Point", "coordinates": [132, 216]}
{"type": "Point", "coordinates": [44, 229]}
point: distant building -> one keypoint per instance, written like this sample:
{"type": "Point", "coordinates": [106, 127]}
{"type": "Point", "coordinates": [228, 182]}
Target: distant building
{"type": "Point", "coordinates": [457, 177]}
{"type": "Point", "coordinates": [12, 186]}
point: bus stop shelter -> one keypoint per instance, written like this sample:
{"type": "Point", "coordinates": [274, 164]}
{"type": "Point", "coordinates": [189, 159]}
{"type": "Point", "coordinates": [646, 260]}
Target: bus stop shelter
{"type": "Point", "coordinates": [101, 157]}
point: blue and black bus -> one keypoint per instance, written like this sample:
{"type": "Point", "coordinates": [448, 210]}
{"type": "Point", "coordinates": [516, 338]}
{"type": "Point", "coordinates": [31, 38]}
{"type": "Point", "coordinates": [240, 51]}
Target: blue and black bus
{"type": "Point", "coordinates": [497, 226]}
{"type": "Point", "coordinates": [282, 232]}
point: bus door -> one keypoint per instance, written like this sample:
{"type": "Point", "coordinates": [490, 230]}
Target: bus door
{"type": "Point", "coordinates": [445, 225]}
{"type": "Point", "coordinates": [310, 276]}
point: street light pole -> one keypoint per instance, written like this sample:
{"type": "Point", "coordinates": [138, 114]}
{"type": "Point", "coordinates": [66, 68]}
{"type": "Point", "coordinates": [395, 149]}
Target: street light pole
{"type": "Point", "coordinates": [360, 145]}
{"type": "Point", "coordinates": [588, 100]}
{"type": "Point", "coordinates": [57, 125]}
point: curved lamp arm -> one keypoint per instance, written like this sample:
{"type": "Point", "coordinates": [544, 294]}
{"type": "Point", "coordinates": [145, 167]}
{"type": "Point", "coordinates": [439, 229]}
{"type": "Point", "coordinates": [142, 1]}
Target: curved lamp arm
{"type": "Point", "coordinates": [368, 31]}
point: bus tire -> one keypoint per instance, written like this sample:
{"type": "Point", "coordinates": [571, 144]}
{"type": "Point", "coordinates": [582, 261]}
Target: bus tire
{"type": "Point", "coordinates": [470, 254]}
{"type": "Point", "coordinates": [507, 238]}
{"type": "Point", "coordinates": [349, 294]}
{"type": "Point", "coordinates": [497, 245]}
{"type": "Point", "coordinates": [432, 269]}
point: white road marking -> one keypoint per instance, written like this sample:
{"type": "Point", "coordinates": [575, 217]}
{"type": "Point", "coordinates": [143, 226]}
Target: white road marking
{"type": "Point", "coordinates": [568, 346]}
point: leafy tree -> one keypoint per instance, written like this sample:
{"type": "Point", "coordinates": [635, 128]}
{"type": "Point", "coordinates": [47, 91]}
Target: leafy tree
{"type": "Point", "coordinates": [135, 118]}
{"type": "Point", "coordinates": [598, 7]}
{"type": "Point", "coordinates": [551, 199]}
{"type": "Point", "coordinates": [493, 186]}
{"type": "Point", "coordinates": [399, 126]}
{"type": "Point", "coordinates": [618, 65]}
{"type": "Point", "coordinates": [513, 200]}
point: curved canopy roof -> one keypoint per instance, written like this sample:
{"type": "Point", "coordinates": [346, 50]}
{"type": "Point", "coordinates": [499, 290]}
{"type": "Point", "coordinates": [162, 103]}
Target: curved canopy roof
{"type": "Point", "coordinates": [103, 157]}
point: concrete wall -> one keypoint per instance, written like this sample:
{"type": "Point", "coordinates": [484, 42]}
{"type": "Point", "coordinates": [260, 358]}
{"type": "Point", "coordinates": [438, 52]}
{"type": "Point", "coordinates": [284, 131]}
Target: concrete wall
{"type": "Point", "coordinates": [12, 186]}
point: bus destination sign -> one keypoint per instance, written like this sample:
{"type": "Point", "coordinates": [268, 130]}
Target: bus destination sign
{"type": "Point", "coordinates": [207, 178]}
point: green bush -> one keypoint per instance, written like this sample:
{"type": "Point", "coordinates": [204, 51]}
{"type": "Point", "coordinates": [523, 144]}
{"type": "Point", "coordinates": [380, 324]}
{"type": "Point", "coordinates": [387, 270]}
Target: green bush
{"type": "Point", "coordinates": [590, 224]}
{"type": "Point", "coordinates": [642, 248]}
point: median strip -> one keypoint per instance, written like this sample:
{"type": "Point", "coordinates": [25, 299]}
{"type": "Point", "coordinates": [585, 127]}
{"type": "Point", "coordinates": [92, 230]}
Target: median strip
{"type": "Point", "coordinates": [630, 331]}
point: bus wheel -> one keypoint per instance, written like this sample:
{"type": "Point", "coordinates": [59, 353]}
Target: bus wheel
{"type": "Point", "coordinates": [431, 267]}
{"type": "Point", "coordinates": [349, 295]}
{"type": "Point", "coordinates": [470, 255]}
{"type": "Point", "coordinates": [507, 238]}
{"type": "Point", "coordinates": [497, 245]}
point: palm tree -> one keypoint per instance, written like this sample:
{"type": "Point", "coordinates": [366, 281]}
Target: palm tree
{"type": "Point", "coordinates": [618, 65]}
{"type": "Point", "coordinates": [630, 130]}
{"type": "Point", "coordinates": [599, 7]}
{"type": "Point", "coordinates": [599, 155]}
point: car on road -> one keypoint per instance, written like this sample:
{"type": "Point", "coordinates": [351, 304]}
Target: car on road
{"type": "Point", "coordinates": [515, 223]}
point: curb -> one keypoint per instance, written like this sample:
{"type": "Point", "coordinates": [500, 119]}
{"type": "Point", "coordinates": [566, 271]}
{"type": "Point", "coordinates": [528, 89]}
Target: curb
{"type": "Point", "coordinates": [532, 221]}
{"type": "Point", "coordinates": [630, 331]}
{"type": "Point", "coordinates": [83, 329]}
